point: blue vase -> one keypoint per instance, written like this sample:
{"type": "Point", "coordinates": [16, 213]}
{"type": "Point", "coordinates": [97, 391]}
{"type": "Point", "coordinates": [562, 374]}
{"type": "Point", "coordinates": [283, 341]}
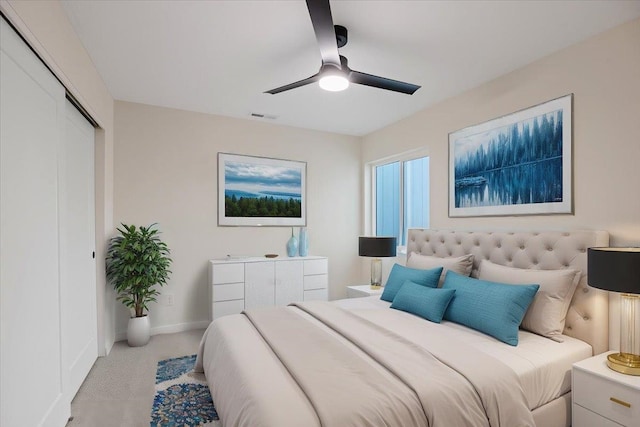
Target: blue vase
{"type": "Point", "coordinates": [292, 245]}
{"type": "Point", "coordinates": [303, 243]}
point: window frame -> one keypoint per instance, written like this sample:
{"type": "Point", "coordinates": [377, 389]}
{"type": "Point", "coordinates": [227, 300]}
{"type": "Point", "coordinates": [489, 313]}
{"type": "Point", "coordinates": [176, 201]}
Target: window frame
{"type": "Point", "coordinates": [370, 178]}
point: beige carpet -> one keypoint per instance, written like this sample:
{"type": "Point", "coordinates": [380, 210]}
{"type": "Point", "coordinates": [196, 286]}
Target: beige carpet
{"type": "Point", "coordinates": [119, 390]}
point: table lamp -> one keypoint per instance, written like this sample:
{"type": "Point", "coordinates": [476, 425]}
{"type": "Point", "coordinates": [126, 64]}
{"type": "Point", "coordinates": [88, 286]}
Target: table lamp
{"type": "Point", "coordinates": [618, 270]}
{"type": "Point", "coordinates": [376, 247]}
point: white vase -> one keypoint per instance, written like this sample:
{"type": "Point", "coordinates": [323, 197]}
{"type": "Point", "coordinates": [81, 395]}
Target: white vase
{"type": "Point", "coordinates": [138, 331]}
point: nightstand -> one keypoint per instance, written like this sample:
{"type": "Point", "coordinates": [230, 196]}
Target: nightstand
{"type": "Point", "coordinates": [603, 397]}
{"type": "Point", "coordinates": [362, 291]}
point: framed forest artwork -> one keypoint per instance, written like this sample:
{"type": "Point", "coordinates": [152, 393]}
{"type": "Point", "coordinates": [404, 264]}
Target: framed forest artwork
{"type": "Point", "coordinates": [260, 191]}
{"type": "Point", "coordinates": [519, 164]}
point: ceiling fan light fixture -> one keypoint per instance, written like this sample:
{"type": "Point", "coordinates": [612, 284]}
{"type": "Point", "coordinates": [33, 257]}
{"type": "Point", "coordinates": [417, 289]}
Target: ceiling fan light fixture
{"type": "Point", "coordinates": [332, 78]}
{"type": "Point", "coordinates": [334, 82]}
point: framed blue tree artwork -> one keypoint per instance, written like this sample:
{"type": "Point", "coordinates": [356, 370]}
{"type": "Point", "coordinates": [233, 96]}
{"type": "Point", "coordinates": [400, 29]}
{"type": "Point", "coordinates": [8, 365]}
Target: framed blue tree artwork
{"type": "Point", "coordinates": [518, 164]}
{"type": "Point", "coordinates": [261, 191]}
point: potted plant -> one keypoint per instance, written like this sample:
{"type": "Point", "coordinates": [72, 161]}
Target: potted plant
{"type": "Point", "coordinates": [137, 260]}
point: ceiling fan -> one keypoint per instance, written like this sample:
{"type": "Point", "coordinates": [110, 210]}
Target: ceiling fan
{"type": "Point", "coordinates": [335, 74]}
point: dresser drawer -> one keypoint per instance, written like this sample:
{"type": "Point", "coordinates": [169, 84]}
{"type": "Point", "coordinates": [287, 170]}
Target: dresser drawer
{"type": "Point", "coordinates": [605, 397]}
{"type": "Point", "coordinates": [316, 266]}
{"type": "Point", "coordinates": [228, 292]}
{"type": "Point", "coordinates": [319, 281]}
{"type": "Point", "coordinates": [316, 295]}
{"type": "Point", "coordinates": [225, 308]}
{"type": "Point", "coordinates": [227, 273]}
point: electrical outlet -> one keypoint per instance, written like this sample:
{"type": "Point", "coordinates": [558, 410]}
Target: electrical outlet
{"type": "Point", "coordinates": [169, 299]}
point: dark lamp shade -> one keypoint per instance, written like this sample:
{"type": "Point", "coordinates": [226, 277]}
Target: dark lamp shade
{"type": "Point", "coordinates": [614, 269]}
{"type": "Point", "coordinates": [378, 247]}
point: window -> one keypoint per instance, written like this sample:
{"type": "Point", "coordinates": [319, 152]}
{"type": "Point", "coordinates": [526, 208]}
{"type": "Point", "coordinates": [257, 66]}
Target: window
{"type": "Point", "coordinates": [401, 190]}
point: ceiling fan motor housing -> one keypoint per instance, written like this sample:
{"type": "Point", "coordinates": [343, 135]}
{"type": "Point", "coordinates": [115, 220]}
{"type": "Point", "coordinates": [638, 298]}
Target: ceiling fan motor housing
{"type": "Point", "coordinates": [341, 35]}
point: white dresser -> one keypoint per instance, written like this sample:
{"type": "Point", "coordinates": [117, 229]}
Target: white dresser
{"type": "Point", "coordinates": [261, 282]}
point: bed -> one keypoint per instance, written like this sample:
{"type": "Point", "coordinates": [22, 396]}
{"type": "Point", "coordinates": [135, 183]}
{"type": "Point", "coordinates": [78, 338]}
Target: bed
{"type": "Point", "coordinates": [356, 362]}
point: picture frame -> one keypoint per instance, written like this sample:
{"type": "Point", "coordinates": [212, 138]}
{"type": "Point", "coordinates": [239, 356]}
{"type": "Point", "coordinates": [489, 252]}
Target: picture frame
{"type": "Point", "coordinates": [261, 191]}
{"type": "Point", "coordinates": [518, 164]}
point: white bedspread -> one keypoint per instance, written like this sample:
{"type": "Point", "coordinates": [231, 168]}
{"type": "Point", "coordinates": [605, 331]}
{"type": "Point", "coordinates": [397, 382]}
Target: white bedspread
{"type": "Point", "coordinates": [251, 387]}
{"type": "Point", "coordinates": [543, 365]}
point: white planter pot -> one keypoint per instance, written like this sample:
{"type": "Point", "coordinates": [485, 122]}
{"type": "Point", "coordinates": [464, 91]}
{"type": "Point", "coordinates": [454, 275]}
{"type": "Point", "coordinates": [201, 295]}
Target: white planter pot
{"type": "Point", "coordinates": [138, 331]}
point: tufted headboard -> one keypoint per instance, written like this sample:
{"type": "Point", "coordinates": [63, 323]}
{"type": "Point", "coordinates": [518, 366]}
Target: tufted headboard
{"type": "Point", "coordinates": [588, 315]}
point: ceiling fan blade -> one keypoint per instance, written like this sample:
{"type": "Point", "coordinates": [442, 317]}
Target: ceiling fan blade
{"type": "Point", "coordinates": [290, 86]}
{"type": "Point", "coordinates": [320, 13]}
{"type": "Point", "coordinates": [382, 82]}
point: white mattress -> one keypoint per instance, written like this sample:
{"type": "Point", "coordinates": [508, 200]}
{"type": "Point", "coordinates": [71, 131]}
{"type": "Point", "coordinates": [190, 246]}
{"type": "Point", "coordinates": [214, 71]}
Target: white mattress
{"type": "Point", "coordinates": [543, 365]}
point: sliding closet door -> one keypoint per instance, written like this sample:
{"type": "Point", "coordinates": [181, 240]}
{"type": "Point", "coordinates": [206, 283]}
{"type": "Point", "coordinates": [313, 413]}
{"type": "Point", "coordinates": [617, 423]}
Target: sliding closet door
{"type": "Point", "coordinates": [77, 242]}
{"type": "Point", "coordinates": [32, 114]}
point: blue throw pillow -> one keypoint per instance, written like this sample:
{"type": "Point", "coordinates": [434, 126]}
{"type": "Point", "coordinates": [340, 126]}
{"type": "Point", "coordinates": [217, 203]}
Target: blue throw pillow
{"type": "Point", "coordinates": [422, 301]}
{"type": "Point", "coordinates": [494, 308]}
{"type": "Point", "coordinates": [399, 274]}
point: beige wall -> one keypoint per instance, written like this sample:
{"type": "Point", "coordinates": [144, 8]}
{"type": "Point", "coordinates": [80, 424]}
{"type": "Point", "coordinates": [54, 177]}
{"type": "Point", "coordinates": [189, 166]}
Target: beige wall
{"type": "Point", "coordinates": [46, 28]}
{"type": "Point", "coordinates": [166, 172]}
{"type": "Point", "coordinates": [603, 73]}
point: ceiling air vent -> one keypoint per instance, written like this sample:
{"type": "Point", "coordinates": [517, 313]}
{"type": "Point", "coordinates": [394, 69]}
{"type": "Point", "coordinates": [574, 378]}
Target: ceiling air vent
{"type": "Point", "coordinates": [263, 116]}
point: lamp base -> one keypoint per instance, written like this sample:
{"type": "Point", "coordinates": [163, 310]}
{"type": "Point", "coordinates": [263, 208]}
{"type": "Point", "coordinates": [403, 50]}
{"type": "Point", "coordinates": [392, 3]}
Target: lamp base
{"type": "Point", "coordinates": [376, 273]}
{"type": "Point", "coordinates": [627, 360]}
{"type": "Point", "coordinates": [625, 363]}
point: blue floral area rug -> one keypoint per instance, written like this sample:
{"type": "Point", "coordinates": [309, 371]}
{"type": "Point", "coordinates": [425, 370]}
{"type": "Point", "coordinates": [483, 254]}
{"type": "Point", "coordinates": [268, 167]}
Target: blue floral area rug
{"type": "Point", "coordinates": [182, 396]}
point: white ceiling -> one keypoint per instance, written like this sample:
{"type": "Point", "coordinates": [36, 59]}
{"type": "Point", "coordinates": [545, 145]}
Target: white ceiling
{"type": "Point", "coordinates": [220, 56]}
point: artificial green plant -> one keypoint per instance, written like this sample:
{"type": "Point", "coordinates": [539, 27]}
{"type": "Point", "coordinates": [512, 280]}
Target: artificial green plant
{"type": "Point", "coordinates": [137, 260]}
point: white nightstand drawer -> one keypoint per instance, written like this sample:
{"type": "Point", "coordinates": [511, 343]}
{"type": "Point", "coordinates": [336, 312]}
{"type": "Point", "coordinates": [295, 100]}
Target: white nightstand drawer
{"type": "Point", "coordinates": [606, 397]}
{"type": "Point", "coordinates": [319, 281]}
{"type": "Point", "coordinates": [228, 273]}
{"type": "Point", "coordinates": [316, 266]}
{"type": "Point", "coordinates": [224, 308]}
{"type": "Point", "coordinates": [585, 418]}
{"type": "Point", "coordinates": [228, 292]}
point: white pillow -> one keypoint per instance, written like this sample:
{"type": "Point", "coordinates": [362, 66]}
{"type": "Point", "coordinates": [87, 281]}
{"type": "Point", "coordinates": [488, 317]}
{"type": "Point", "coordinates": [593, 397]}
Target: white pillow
{"type": "Point", "coordinates": [547, 313]}
{"type": "Point", "coordinates": [461, 265]}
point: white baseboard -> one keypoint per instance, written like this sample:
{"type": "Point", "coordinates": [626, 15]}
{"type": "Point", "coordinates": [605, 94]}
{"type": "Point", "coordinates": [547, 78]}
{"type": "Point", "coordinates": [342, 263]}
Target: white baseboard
{"type": "Point", "coordinates": [170, 329]}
